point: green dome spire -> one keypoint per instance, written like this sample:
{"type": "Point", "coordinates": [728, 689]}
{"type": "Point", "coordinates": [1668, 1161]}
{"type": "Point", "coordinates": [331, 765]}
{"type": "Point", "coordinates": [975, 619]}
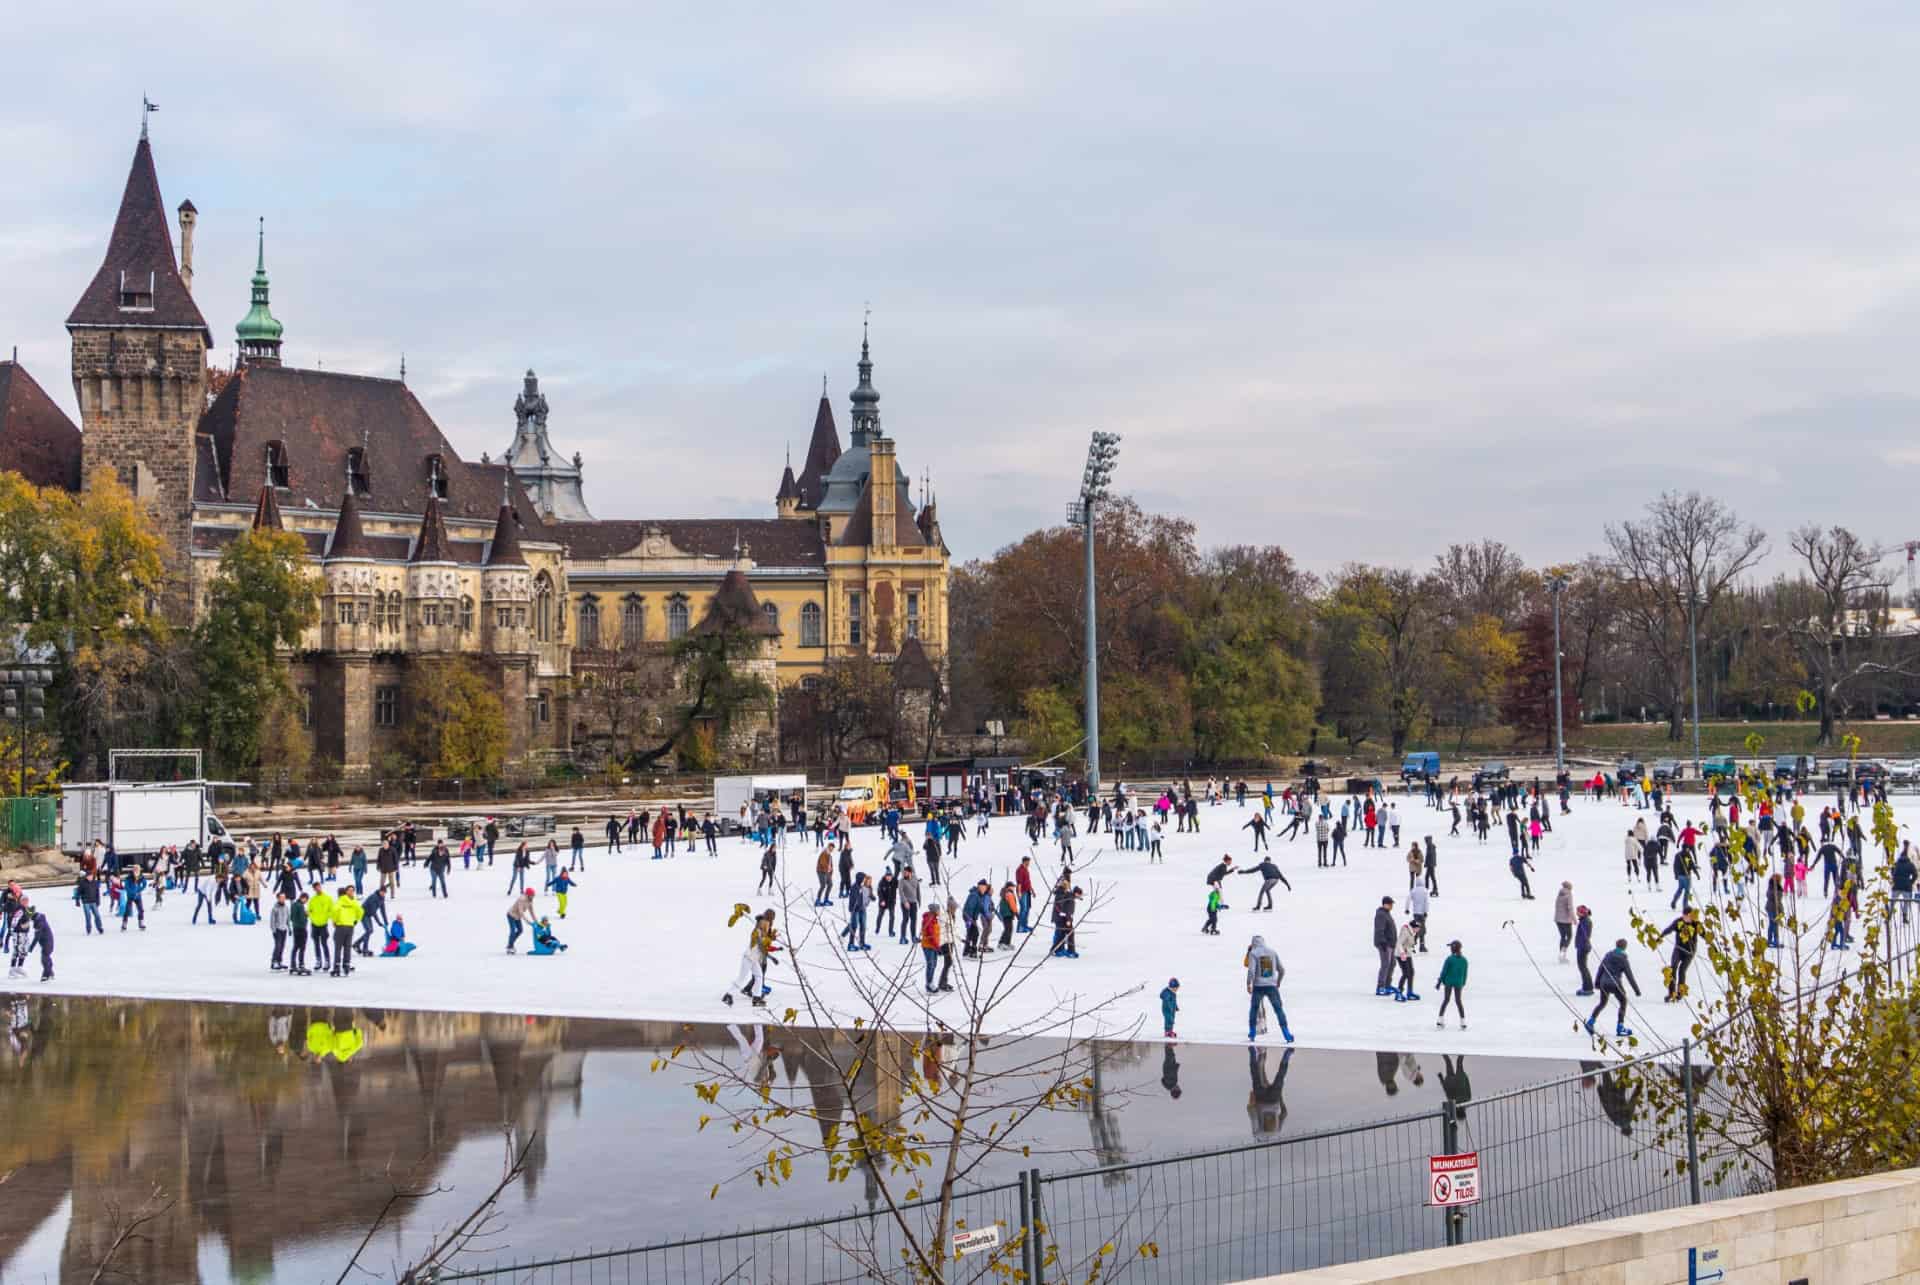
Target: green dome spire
{"type": "Point", "coordinates": [258, 331]}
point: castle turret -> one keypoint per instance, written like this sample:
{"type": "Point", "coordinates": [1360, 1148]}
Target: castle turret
{"type": "Point", "coordinates": [140, 368]}
{"type": "Point", "coordinates": [506, 590]}
{"type": "Point", "coordinates": [433, 586]}
{"type": "Point", "coordinates": [352, 608]}
{"type": "Point", "coordinates": [259, 333]}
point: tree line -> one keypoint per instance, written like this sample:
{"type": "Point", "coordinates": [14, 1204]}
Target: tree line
{"type": "Point", "coordinates": [1236, 653]}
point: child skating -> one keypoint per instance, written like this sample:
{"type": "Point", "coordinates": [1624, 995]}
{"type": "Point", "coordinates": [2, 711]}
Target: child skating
{"type": "Point", "coordinates": [1453, 980]}
{"type": "Point", "coordinates": [1169, 1004]}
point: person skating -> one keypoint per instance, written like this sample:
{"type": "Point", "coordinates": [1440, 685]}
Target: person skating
{"type": "Point", "coordinates": [320, 927]}
{"type": "Point", "coordinates": [19, 926]}
{"type": "Point", "coordinates": [43, 942]}
{"type": "Point", "coordinates": [563, 883]}
{"type": "Point", "coordinates": [1403, 949]}
{"type": "Point", "coordinates": [1023, 880]}
{"type": "Point", "coordinates": [1270, 875]}
{"type": "Point", "coordinates": [823, 871]}
{"type": "Point", "coordinates": [1563, 917]}
{"type": "Point", "coordinates": [520, 917]}
{"type": "Point", "coordinates": [931, 944]}
{"type": "Point", "coordinates": [909, 893]}
{"type": "Point", "coordinates": [1583, 946]}
{"type": "Point", "coordinates": [1264, 975]}
{"type": "Point", "coordinates": [279, 921]}
{"type": "Point", "coordinates": [949, 933]}
{"type": "Point", "coordinates": [373, 913]}
{"type": "Point", "coordinates": [1212, 926]}
{"type": "Point", "coordinates": [1385, 937]}
{"type": "Point", "coordinates": [1614, 969]}
{"type": "Point", "coordinates": [1219, 873]}
{"type": "Point", "coordinates": [769, 862]}
{"type": "Point", "coordinates": [346, 917]}
{"type": "Point", "coordinates": [846, 872]}
{"type": "Point", "coordinates": [858, 895]}
{"type": "Point", "coordinates": [1519, 865]}
{"type": "Point", "coordinates": [1685, 932]}
{"type": "Point", "coordinates": [1008, 906]}
{"type": "Point", "coordinates": [86, 891]}
{"type": "Point", "coordinates": [762, 944]}
{"type": "Point", "coordinates": [1169, 1005]}
{"type": "Point", "coordinates": [297, 922]}
{"type": "Point", "coordinates": [975, 915]}
{"type": "Point", "coordinates": [1417, 909]}
{"type": "Point", "coordinates": [1453, 983]}
{"type": "Point", "coordinates": [1258, 824]}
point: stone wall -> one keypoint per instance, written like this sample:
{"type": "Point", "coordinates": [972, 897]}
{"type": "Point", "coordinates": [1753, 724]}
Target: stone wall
{"type": "Point", "coordinates": [1858, 1232]}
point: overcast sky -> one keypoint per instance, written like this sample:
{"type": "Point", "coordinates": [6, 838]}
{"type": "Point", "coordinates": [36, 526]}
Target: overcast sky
{"type": "Point", "coordinates": [1356, 279]}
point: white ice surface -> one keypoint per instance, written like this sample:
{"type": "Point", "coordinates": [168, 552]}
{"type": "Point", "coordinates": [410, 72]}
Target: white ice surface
{"type": "Point", "coordinates": [649, 939]}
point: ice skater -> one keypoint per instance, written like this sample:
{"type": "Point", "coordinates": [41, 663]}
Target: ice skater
{"type": "Point", "coordinates": [1169, 1005]}
{"type": "Point", "coordinates": [1270, 875]}
{"type": "Point", "coordinates": [1264, 975]}
{"type": "Point", "coordinates": [1615, 968]}
{"type": "Point", "coordinates": [1453, 982]}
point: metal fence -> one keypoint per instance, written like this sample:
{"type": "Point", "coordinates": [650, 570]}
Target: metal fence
{"type": "Point", "coordinates": [1572, 1150]}
{"type": "Point", "coordinates": [29, 823]}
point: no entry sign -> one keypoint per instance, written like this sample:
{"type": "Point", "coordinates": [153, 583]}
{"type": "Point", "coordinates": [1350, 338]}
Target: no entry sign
{"type": "Point", "coordinates": [1453, 1180]}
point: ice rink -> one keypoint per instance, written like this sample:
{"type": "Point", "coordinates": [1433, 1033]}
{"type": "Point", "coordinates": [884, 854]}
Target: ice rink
{"type": "Point", "coordinates": [649, 939]}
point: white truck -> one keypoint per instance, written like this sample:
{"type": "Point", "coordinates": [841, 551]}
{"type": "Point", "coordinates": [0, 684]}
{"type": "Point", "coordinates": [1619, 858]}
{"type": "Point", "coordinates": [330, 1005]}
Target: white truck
{"type": "Point", "coordinates": [729, 792]}
{"type": "Point", "coordinates": [137, 818]}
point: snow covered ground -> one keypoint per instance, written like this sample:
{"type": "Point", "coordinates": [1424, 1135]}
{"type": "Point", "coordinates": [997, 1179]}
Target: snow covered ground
{"type": "Point", "coordinates": [649, 939]}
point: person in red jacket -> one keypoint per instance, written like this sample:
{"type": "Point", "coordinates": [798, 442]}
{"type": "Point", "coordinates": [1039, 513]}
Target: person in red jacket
{"type": "Point", "coordinates": [1023, 880]}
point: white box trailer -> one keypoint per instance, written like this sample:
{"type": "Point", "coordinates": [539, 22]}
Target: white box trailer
{"type": "Point", "coordinates": [729, 792]}
{"type": "Point", "coordinates": [137, 819]}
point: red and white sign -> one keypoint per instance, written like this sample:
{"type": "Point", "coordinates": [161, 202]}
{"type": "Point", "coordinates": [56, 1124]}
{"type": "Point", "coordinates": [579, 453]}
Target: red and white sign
{"type": "Point", "coordinates": [1453, 1180]}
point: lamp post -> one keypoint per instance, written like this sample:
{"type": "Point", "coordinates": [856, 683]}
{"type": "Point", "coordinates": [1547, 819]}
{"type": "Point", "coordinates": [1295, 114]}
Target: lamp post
{"type": "Point", "coordinates": [1693, 674]}
{"type": "Point", "coordinates": [1101, 454]}
{"type": "Point", "coordinates": [1557, 583]}
{"type": "Point", "coordinates": [23, 696]}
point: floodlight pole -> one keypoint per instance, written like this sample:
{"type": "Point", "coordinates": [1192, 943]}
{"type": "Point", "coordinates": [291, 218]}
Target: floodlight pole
{"type": "Point", "coordinates": [1093, 658]}
{"type": "Point", "coordinates": [1558, 584]}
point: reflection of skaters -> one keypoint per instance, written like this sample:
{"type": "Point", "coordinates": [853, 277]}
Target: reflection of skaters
{"type": "Point", "coordinates": [1611, 1088]}
{"type": "Point", "coordinates": [1454, 1082]}
{"type": "Point", "coordinates": [1386, 1066]}
{"type": "Point", "coordinates": [756, 1057]}
{"type": "Point", "coordinates": [1266, 1098]}
{"type": "Point", "coordinates": [1170, 1072]}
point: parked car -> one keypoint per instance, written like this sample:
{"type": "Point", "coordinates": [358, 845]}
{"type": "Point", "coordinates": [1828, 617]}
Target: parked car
{"type": "Point", "coordinates": [1793, 767]}
{"type": "Point", "coordinates": [1867, 771]}
{"type": "Point", "coordinates": [1490, 773]}
{"type": "Point", "coordinates": [1360, 785]}
{"type": "Point", "coordinates": [1901, 772]}
{"type": "Point", "coordinates": [527, 826]}
{"type": "Point", "coordinates": [1628, 771]}
{"type": "Point", "coordinates": [1666, 770]}
{"type": "Point", "coordinates": [1718, 768]}
{"type": "Point", "coordinates": [1838, 772]}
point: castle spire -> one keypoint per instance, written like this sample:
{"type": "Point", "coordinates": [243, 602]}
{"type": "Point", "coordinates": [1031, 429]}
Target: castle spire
{"type": "Point", "coordinates": [258, 331]}
{"type": "Point", "coordinates": [138, 285]}
{"type": "Point", "coordinates": [865, 398]}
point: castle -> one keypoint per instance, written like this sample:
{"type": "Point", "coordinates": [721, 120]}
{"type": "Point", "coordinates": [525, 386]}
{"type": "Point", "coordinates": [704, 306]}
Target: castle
{"type": "Point", "coordinates": [420, 553]}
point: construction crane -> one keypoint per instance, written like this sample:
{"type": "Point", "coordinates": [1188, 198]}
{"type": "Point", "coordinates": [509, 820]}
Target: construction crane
{"type": "Point", "coordinates": [1913, 547]}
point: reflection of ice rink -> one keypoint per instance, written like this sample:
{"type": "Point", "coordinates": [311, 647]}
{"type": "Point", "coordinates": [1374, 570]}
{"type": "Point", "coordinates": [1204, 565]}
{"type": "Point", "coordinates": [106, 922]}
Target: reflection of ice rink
{"type": "Point", "coordinates": [650, 938]}
{"type": "Point", "coordinates": [621, 1158]}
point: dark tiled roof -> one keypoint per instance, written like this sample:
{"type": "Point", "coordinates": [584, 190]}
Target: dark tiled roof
{"type": "Point", "coordinates": [504, 549]}
{"type": "Point", "coordinates": [734, 606]}
{"type": "Point", "coordinates": [432, 544]}
{"type": "Point", "coordinates": [208, 486]}
{"type": "Point", "coordinates": [37, 440]}
{"type": "Point", "coordinates": [912, 669]}
{"type": "Point", "coordinates": [859, 529]}
{"type": "Point", "coordinates": [140, 250]}
{"type": "Point", "coordinates": [769, 542]}
{"type": "Point", "coordinates": [789, 489]}
{"type": "Point", "coordinates": [349, 537]}
{"type": "Point", "coordinates": [266, 511]}
{"type": "Point", "coordinates": [822, 451]}
{"type": "Point", "coordinates": [317, 416]}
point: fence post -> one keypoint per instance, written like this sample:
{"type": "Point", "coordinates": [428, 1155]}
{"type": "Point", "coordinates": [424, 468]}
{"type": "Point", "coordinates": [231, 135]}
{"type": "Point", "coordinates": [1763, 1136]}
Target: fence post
{"type": "Point", "coordinates": [1450, 1145]}
{"type": "Point", "coordinates": [1693, 1134]}
{"type": "Point", "coordinates": [1039, 1275]}
{"type": "Point", "coordinates": [1026, 1223]}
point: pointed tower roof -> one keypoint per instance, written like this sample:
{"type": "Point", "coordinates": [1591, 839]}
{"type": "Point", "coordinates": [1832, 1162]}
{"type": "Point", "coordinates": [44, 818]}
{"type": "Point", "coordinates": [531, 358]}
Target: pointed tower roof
{"type": "Point", "coordinates": [913, 670]}
{"type": "Point", "coordinates": [37, 440]}
{"type": "Point", "coordinates": [432, 544]}
{"type": "Point", "coordinates": [349, 540]}
{"type": "Point", "coordinates": [259, 333]}
{"type": "Point", "coordinates": [266, 511]}
{"type": "Point", "coordinates": [735, 606]}
{"type": "Point", "coordinates": [823, 450]}
{"type": "Point", "coordinates": [140, 261]}
{"type": "Point", "coordinates": [865, 398]}
{"type": "Point", "coordinates": [789, 489]}
{"type": "Point", "coordinates": [505, 549]}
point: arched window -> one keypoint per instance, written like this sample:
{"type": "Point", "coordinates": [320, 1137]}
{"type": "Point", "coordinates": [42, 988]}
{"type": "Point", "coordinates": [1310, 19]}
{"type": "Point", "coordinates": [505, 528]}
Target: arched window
{"type": "Point", "coordinates": [543, 607]}
{"type": "Point", "coordinates": [395, 606]}
{"type": "Point", "coordinates": [773, 615]}
{"type": "Point", "coordinates": [589, 633]}
{"type": "Point", "coordinates": [466, 615]}
{"type": "Point", "coordinates": [810, 625]}
{"type": "Point", "coordinates": [677, 617]}
{"type": "Point", "coordinates": [633, 621]}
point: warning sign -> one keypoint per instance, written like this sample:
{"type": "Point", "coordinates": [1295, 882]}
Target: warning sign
{"type": "Point", "coordinates": [973, 1242]}
{"type": "Point", "coordinates": [1453, 1180]}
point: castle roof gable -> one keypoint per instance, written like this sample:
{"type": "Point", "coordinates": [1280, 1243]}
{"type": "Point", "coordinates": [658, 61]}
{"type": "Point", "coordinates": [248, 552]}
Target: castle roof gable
{"type": "Point", "coordinates": [139, 264]}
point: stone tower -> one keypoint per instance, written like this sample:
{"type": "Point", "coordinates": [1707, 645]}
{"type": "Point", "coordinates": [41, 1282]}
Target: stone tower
{"type": "Point", "coordinates": [140, 367]}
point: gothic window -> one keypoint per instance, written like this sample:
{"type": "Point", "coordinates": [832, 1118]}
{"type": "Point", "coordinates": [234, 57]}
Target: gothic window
{"type": "Point", "coordinates": [633, 621]}
{"type": "Point", "coordinates": [810, 625]}
{"type": "Point", "coordinates": [362, 607]}
{"type": "Point", "coordinates": [466, 615]}
{"type": "Point", "coordinates": [543, 607]}
{"type": "Point", "coordinates": [346, 611]}
{"type": "Point", "coordinates": [359, 481]}
{"type": "Point", "coordinates": [677, 616]}
{"type": "Point", "coordinates": [519, 617]}
{"type": "Point", "coordinates": [386, 707]}
{"type": "Point", "coordinates": [436, 476]}
{"type": "Point", "coordinates": [503, 617]}
{"type": "Point", "coordinates": [913, 614]}
{"type": "Point", "coordinates": [589, 635]}
{"type": "Point", "coordinates": [544, 706]}
{"type": "Point", "coordinates": [278, 474]}
{"type": "Point", "coordinates": [394, 608]}
{"type": "Point", "coordinates": [773, 615]}
{"type": "Point", "coordinates": [855, 626]}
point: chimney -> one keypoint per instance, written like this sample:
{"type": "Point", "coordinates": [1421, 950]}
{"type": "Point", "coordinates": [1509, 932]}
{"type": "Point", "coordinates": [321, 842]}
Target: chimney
{"type": "Point", "coordinates": [881, 481]}
{"type": "Point", "coordinates": [187, 217]}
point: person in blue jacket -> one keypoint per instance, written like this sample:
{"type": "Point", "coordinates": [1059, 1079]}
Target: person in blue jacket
{"type": "Point", "coordinates": [131, 890]}
{"type": "Point", "coordinates": [398, 947]}
{"type": "Point", "coordinates": [544, 942]}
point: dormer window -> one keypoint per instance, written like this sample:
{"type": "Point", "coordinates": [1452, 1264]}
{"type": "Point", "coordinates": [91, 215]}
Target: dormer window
{"type": "Point", "coordinates": [136, 292]}
{"type": "Point", "coordinates": [358, 479]}
{"type": "Point", "coordinates": [436, 477]}
{"type": "Point", "coordinates": [278, 474]}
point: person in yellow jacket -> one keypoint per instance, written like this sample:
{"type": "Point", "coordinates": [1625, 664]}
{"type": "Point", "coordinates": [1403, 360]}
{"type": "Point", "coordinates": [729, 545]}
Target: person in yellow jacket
{"type": "Point", "coordinates": [320, 908]}
{"type": "Point", "coordinates": [347, 914]}
{"type": "Point", "coordinates": [348, 1042]}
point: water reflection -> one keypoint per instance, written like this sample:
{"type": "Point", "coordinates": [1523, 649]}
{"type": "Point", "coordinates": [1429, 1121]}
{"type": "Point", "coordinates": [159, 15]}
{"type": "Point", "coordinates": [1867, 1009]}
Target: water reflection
{"type": "Point", "coordinates": [277, 1133]}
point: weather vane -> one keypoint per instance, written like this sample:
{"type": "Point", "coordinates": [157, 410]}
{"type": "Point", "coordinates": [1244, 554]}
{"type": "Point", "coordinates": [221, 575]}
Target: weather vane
{"type": "Point", "coordinates": [147, 108]}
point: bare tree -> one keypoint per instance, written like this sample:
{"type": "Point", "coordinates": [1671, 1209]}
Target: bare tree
{"type": "Point", "coordinates": [129, 1228]}
{"type": "Point", "coordinates": [916, 1101]}
{"type": "Point", "coordinates": [1842, 634]}
{"type": "Point", "coordinates": [1674, 565]}
{"type": "Point", "coordinates": [1484, 579]}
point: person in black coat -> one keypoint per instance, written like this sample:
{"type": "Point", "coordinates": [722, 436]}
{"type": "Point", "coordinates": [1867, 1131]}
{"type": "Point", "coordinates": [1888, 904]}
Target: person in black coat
{"type": "Point", "coordinates": [1615, 968]}
{"type": "Point", "coordinates": [1583, 946]}
{"type": "Point", "coordinates": [1386, 935]}
{"type": "Point", "coordinates": [1271, 875]}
